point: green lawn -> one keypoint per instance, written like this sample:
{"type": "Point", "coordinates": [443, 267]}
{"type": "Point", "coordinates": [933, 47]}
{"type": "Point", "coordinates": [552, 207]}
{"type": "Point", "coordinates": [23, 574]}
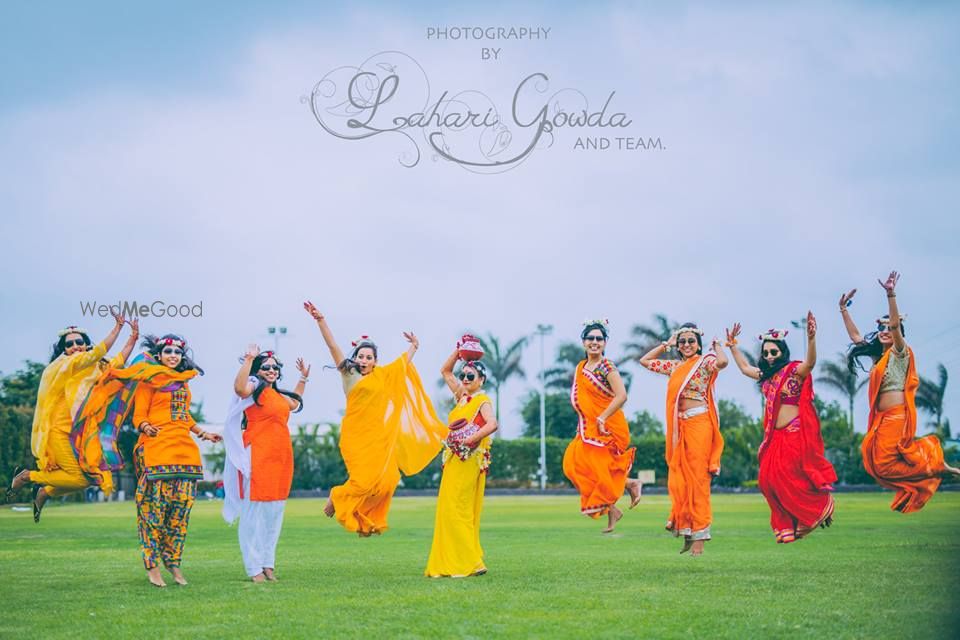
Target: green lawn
{"type": "Point", "coordinates": [552, 574]}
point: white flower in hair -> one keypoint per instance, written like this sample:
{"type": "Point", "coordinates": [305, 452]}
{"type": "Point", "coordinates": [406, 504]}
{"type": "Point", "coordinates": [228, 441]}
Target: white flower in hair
{"type": "Point", "coordinates": [600, 321]}
{"type": "Point", "coordinates": [694, 329]}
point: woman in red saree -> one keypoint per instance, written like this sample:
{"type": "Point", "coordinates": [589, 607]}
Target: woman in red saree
{"type": "Point", "coordinates": [598, 459]}
{"type": "Point", "coordinates": [694, 443]}
{"type": "Point", "coordinates": [795, 477]}
{"type": "Point", "coordinates": [891, 453]}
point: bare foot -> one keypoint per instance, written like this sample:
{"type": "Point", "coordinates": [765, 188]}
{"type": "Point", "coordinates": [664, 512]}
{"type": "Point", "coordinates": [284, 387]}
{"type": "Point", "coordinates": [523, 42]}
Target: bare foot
{"type": "Point", "coordinates": [687, 543]}
{"type": "Point", "coordinates": [153, 575]}
{"type": "Point", "coordinates": [613, 516]}
{"type": "Point", "coordinates": [268, 573]}
{"type": "Point", "coordinates": [258, 578]}
{"type": "Point", "coordinates": [328, 509]}
{"type": "Point", "coordinates": [177, 575]}
{"type": "Point", "coordinates": [635, 487]}
{"type": "Point", "coordinates": [697, 549]}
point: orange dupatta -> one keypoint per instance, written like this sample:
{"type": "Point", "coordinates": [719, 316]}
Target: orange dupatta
{"type": "Point", "coordinates": [678, 380]}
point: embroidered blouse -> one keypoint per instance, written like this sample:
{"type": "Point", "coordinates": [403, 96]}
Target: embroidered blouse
{"type": "Point", "coordinates": [789, 392]}
{"type": "Point", "coordinates": [602, 373]}
{"type": "Point", "coordinates": [696, 388]}
{"type": "Point", "coordinates": [895, 377]}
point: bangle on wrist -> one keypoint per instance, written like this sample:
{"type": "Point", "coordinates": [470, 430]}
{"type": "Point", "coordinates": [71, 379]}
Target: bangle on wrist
{"type": "Point", "coordinates": [302, 379]}
{"type": "Point", "coordinates": [891, 295]}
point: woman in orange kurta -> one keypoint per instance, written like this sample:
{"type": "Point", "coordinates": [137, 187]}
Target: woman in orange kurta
{"type": "Point", "coordinates": [891, 453]}
{"type": "Point", "coordinates": [168, 461]}
{"type": "Point", "coordinates": [694, 444]}
{"type": "Point", "coordinates": [258, 470]}
{"type": "Point", "coordinates": [389, 427]}
{"type": "Point", "coordinates": [598, 459]}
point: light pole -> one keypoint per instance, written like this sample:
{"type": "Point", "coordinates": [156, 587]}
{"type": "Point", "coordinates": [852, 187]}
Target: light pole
{"type": "Point", "coordinates": [276, 332]}
{"type": "Point", "coordinates": [543, 330]}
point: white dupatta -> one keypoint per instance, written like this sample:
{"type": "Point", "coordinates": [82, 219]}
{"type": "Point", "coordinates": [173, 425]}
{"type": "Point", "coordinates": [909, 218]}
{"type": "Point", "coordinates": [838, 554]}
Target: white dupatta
{"type": "Point", "coordinates": [237, 459]}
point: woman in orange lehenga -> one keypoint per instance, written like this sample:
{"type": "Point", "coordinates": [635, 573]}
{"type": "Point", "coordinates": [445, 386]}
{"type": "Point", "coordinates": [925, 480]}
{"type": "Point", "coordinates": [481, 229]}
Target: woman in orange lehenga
{"type": "Point", "coordinates": [598, 459]}
{"type": "Point", "coordinates": [694, 443]}
{"type": "Point", "coordinates": [910, 466]}
{"type": "Point", "coordinates": [389, 427]}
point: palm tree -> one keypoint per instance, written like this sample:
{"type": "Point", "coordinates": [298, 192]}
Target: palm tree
{"type": "Point", "coordinates": [502, 363]}
{"type": "Point", "coordinates": [837, 376]}
{"type": "Point", "coordinates": [644, 337]}
{"type": "Point", "coordinates": [560, 376]}
{"type": "Point", "coordinates": [930, 399]}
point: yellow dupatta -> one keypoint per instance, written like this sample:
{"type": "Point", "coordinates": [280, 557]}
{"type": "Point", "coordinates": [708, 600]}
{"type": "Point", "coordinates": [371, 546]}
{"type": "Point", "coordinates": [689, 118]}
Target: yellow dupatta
{"type": "Point", "coordinates": [59, 382]}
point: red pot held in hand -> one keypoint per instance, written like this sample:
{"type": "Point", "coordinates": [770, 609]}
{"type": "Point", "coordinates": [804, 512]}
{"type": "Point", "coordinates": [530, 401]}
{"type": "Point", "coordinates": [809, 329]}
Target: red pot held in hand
{"type": "Point", "coordinates": [469, 348]}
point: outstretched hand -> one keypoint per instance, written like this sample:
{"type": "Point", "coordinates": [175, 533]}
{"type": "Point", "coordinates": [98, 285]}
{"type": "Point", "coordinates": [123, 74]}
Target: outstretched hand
{"type": "Point", "coordinates": [811, 326]}
{"type": "Point", "coordinates": [846, 299]}
{"type": "Point", "coordinates": [253, 350]}
{"type": "Point", "coordinates": [732, 334]}
{"type": "Point", "coordinates": [411, 338]}
{"type": "Point", "coordinates": [303, 368]}
{"type": "Point", "coordinates": [313, 311]}
{"type": "Point", "coordinates": [891, 283]}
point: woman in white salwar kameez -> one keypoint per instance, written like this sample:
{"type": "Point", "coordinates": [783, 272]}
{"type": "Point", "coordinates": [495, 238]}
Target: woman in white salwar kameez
{"type": "Point", "coordinates": [258, 469]}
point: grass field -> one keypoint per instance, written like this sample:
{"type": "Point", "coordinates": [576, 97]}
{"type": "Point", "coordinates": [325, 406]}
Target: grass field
{"type": "Point", "coordinates": [874, 574]}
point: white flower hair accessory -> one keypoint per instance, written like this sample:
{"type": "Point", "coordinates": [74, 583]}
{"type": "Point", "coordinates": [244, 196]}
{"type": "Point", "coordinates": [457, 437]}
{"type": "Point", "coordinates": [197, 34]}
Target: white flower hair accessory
{"type": "Point", "coordinates": [885, 319]}
{"type": "Point", "coordinates": [361, 340]}
{"type": "Point", "coordinates": [694, 329]}
{"type": "Point", "coordinates": [71, 329]}
{"type": "Point", "coordinates": [773, 334]}
{"type": "Point", "coordinates": [601, 321]}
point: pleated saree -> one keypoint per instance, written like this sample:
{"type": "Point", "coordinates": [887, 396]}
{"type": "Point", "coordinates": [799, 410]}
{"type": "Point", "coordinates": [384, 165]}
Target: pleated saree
{"type": "Point", "coordinates": [389, 427]}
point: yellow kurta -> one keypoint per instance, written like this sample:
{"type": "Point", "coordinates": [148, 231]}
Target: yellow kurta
{"type": "Point", "coordinates": [456, 550]}
{"type": "Point", "coordinates": [64, 383]}
{"type": "Point", "coordinates": [389, 426]}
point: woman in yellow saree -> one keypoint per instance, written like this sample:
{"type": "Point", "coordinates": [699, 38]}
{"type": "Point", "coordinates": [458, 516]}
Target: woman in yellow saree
{"type": "Point", "coordinates": [694, 443]}
{"type": "Point", "coordinates": [75, 366]}
{"type": "Point", "coordinates": [389, 427]}
{"type": "Point", "coordinates": [456, 550]}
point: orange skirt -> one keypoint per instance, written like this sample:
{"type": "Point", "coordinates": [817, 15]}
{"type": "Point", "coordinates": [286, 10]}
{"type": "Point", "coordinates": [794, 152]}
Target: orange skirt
{"type": "Point", "coordinates": [598, 473]}
{"type": "Point", "coordinates": [688, 479]}
{"type": "Point", "coordinates": [912, 469]}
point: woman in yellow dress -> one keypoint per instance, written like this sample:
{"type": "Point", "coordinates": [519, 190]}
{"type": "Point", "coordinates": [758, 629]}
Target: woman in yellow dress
{"type": "Point", "coordinates": [389, 427]}
{"type": "Point", "coordinates": [74, 367]}
{"type": "Point", "coordinates": [456, 550]}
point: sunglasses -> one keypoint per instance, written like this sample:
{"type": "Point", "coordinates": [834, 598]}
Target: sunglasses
{"type": "Point", "coordinates": [771, 353]}
{"type": "Point", "coordinates": [73, 343]}
{"type": "Point", "coordinates": [469, 377]}
{"type": "Point", "coordinates": [270, 367]}
{"type": "Point", "coordinates": [883, 328]}
{"type": "Point", "coordinates": [172, 351]}
{"type": "Point", "coordinates": [683, 341]}
{"type": "Point", "coordinates": [594, 339]}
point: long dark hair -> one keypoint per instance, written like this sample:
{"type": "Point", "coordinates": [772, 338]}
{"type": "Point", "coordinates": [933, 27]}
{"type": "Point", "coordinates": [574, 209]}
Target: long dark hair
{"type": "Point", "coordinates": [870, 347]}
{"type": "Point", "coordinates": [262, 384]}
{"type": "Point", "coordinates": [768, 370]}
{"type": "Point", "coordinates": [350, 365]}
{"type": "Point", "coordinates": [154, 345]}
{"type": "Point", "coordinates": [60, 345]}
{"type": "Point", "coordinates": [691, 327]}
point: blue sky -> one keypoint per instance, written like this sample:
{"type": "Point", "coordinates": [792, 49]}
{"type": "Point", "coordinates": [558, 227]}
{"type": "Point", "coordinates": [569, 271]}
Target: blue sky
{"type": "Point", "coordinates": [155, 153]}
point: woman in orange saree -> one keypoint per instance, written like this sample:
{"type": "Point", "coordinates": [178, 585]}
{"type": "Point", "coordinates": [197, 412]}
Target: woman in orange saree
{"type": "Point", "coordinates": [598, 459]}
{"type": "Point", "coordinates": [694, 444]}
{"type": "Point", "coordinates": [389, 427]}
{"type": "Point", "coordinates": [891, 453]}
